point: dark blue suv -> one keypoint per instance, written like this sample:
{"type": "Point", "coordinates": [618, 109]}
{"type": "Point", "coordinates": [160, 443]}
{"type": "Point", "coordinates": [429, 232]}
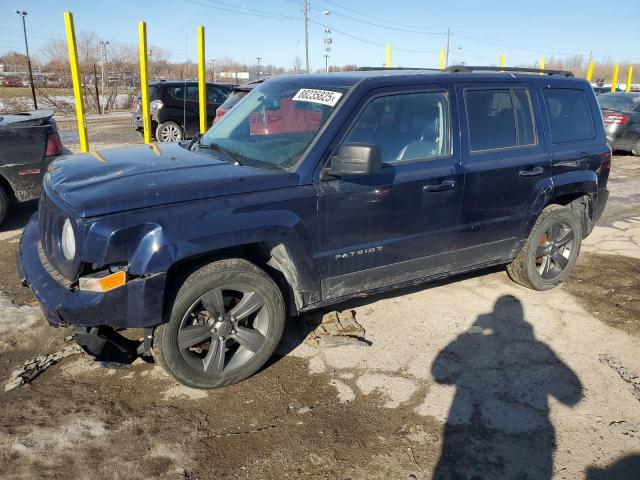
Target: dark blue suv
{"type": "Point", "coordinates": [314, 189]}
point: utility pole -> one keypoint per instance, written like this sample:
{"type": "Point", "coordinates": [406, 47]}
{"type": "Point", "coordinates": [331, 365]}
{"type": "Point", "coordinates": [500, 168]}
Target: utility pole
{"type": "Point", "coordinates": [328, 42]}
{"type": "Point", "coordinates": [23, 14]}
{"type": "Point", "coordinates": [103, 46]}
{"type": "Point", "coordinates": [305, 11]}
{"type": "Point", "coordinates": [446, 58]}
{"type": "Point", "coordinates": [258, 59]}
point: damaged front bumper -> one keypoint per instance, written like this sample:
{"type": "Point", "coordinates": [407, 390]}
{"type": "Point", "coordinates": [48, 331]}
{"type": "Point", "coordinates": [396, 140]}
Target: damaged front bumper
{"type": "Point", "coordinates": [137, 304]}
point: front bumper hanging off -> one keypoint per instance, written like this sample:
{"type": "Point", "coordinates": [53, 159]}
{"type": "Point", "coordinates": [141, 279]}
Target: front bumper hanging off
{"type": "Point", "coordinates": [137, 304]}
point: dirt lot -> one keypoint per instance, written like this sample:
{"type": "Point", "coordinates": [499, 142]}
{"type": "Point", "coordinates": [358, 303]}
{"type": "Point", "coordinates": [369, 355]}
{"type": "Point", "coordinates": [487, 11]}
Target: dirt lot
{"type": "Point", "coordinates": [472, 378]}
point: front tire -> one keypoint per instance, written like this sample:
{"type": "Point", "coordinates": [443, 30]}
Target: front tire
{"type": "Point", "coordinates": [551, 250]}
{"type": "Point", "coordinates": [169, 132]}
{"type": "Point", "coordinates": [225, 322]}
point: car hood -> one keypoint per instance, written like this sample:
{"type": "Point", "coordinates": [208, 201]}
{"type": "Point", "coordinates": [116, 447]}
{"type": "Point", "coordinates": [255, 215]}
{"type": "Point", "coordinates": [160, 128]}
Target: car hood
{"type": "Point", "coordinates": [121, 179]}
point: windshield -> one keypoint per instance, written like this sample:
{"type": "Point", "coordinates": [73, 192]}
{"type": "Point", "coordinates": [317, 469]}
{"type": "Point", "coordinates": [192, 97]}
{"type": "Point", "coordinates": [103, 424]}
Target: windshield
{"type": "Point", "coordinates": [617, 101]}
{"type": "Point", "coordinates": [273, 124]}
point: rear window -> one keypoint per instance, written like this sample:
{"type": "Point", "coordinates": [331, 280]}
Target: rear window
{"type": "Point", "coordinates": [499, 118]}
{"type": "Point", "coordinates": [618, 101]}
{"type": "Point", "coordinates": [232, 99]}
{"type": "Point", "coordinates": [569, 115]}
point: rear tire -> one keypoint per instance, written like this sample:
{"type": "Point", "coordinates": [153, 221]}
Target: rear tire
{"type": "Point", "coordinates": [169, 132]}
{"type": "Point", "coordinates": [225, 322]}
{"type": "Point", "coordinates": [636, 148]}
{"type": "Point", "coordinates": [4, 204]}
{"type": "Point", "coordinates": [551, 250]}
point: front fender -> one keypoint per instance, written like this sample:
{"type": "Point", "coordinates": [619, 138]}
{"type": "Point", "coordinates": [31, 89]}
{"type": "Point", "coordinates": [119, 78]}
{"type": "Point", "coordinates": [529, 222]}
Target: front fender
{"type": "Point", "coordinates": [153, 240]}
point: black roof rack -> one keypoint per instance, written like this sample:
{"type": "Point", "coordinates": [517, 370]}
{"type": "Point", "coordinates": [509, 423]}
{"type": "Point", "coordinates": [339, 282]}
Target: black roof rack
{"type": "Point", "coordinates": [468, 68]}
{"type": "Point", "coordinates": [369, 69]}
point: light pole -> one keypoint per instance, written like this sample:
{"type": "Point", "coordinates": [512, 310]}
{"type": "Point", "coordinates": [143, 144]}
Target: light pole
{"type": "Point", "coordinates": [258, 59]}
{"type": "Point", "coordinates": [103, 45]}
{"type": "Point", "coordinates": [23, 14]}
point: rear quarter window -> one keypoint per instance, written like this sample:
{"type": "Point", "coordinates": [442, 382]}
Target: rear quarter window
{"type": "Point", "coordinates": [570, 117]}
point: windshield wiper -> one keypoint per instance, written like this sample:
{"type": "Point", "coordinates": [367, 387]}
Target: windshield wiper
{"type": "Point", "coordinates": [216, 146]}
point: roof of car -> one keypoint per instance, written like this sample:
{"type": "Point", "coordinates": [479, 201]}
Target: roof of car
{"type": "Point", "coordinates": [348, 79]}
{"type": "Point", "coordinates": [182, 82]}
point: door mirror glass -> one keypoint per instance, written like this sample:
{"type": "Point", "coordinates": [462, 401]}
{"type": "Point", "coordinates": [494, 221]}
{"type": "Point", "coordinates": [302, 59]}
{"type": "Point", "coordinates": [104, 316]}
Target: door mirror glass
{"type": "Point", "coordinates": [356, 159]}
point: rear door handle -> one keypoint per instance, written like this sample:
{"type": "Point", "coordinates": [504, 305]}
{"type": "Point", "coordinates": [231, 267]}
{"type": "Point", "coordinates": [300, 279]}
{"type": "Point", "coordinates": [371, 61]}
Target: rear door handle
{"type": "Point", "coordinates": [532, 172]}
{"type": "Point", "coordinates": [439, 187]}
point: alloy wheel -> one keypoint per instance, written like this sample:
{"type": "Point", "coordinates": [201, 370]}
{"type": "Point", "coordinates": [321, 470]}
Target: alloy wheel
{"type": "Point", "coordinates": [554, 250]}
{"type": "Point", "coordinates": [170, 133]}
{"type": "Point", "coordinates": [223, 329]}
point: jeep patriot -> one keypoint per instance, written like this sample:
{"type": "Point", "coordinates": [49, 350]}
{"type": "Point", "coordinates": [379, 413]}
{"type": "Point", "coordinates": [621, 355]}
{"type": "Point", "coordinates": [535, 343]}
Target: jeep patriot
{"type": "Point", "coordinates": [311, 190]}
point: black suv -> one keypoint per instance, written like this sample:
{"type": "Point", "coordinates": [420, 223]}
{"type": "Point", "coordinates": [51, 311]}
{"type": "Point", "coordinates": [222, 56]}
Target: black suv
{"type": "Point", "coordinates": [175, 108]}
{"type": "Point", "coordinates": [314, 189]}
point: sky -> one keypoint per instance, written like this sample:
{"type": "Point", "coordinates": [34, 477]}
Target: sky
{"type": "Point", "coordinates": [274, 29]}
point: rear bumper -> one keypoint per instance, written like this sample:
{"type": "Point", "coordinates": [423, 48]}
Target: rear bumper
{"type": "Point", "coordinates": [617, 138]}
{"type": "Point", "coordinates": [137, 304]}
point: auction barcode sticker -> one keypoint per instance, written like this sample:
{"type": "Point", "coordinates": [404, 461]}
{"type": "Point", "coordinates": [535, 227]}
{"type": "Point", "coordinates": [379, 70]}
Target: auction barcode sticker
{"type": "Point", "coordinates": [325, 97]}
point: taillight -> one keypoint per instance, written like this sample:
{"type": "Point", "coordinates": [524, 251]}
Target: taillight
{"type": "Point", "coordinates": [219, 114]}
{"type": "Point", "coordinates": [154, 106]}
{"type": "Point", "coordinates": [615, 119]}
{"type": "Point", "coordinates": [54, 145]}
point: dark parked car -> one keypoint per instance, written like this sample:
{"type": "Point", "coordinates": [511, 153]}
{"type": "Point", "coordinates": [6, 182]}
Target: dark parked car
{"type": "Point", "coordinates": [175, 108]}
{"type": "Point", "coordinates": [29, 142]}
{"type": "Point", "coordinates": [621, 116]}
{"type": "Point", "coordinates": [314, 189]}
{"type": "Point", "coordinates": [238, 93]}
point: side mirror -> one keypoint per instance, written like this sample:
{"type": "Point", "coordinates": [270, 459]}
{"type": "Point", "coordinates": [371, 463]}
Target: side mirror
{"type": "Point", "coordinates": [356, 159]}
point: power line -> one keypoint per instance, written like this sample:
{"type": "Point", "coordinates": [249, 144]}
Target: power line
{"type": "Point", "coordinates": [413, 27]}
{"type": "Point", "coordinates": [250, 12]}
{"type": "Point", "coordinates": [370, 42]}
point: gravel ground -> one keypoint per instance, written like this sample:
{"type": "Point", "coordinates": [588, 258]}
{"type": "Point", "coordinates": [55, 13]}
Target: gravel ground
{"type": "Point", "coordinates": [475, 377]}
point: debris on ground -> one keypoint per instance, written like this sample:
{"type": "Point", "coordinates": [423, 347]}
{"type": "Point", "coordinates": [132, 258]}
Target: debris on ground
{"type": "Point", "coordinates": [34, 367]}
{"type": "Point", "coordinates": [625, 428]}
{"type": "Point", "coordinates": [338, 324]}
{"type": "Point", "coordinates": [628, 375]}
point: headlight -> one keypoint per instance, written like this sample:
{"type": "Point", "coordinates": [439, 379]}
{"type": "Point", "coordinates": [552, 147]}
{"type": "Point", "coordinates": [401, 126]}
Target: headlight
{"type": "Point", "coordinates": [68, 242]}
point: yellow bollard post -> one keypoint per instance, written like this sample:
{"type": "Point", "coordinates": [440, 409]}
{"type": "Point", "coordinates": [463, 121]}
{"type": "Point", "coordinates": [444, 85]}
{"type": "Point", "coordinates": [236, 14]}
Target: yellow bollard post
{"type": "Point", "coordinates": [442, 66]}
{"type": "Point", "coordinates": [542, 65]}
{"type": "Point", "coordinates": [202, 85]}
{"type": "Point", "coordinates": [75, 78]}
{"type": "Point", "coordinates": [502, 61]}
{"type": "Point", "coordinates": [144, 82]}
{"type": "Point", "coordinates": [387, 62]}
{"type": "Point", "coordinates": [590, 72]}
{"type": "Point", "coordinates": [629, 77]}
{"type": "Point", "coordinates": [614, 81]}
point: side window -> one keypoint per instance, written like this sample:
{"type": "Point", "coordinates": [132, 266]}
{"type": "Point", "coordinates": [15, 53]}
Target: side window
{"type": "Point", "coordinates": [192, 93]}
{"type": "Point", "coordinates": [569, 115]}
{"type": "Point", "coordinates": [178, 92]}
{"type": "Point", "coordinates": [406, 126]}
{"type": "Point", "coordinates": [525, 130]}
{"type": "Point", "coordinates": [499, 118]}
{"type": "Point", "coordinates": [215, 95]}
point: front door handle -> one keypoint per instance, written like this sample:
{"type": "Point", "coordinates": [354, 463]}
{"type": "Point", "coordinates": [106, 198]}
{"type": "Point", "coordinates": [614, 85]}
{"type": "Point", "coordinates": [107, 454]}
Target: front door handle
{"type": "Point", "coordinates": [439, 187]}
{"type": "Point", "coordinates": [533, 172]}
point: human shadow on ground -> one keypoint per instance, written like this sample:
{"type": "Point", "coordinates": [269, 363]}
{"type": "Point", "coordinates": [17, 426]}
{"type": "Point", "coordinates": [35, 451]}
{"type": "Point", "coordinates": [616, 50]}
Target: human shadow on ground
{"type": "Point", "coordinates": [625, 468]}
{"type": "Point", "coordinates": [498, 425]}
